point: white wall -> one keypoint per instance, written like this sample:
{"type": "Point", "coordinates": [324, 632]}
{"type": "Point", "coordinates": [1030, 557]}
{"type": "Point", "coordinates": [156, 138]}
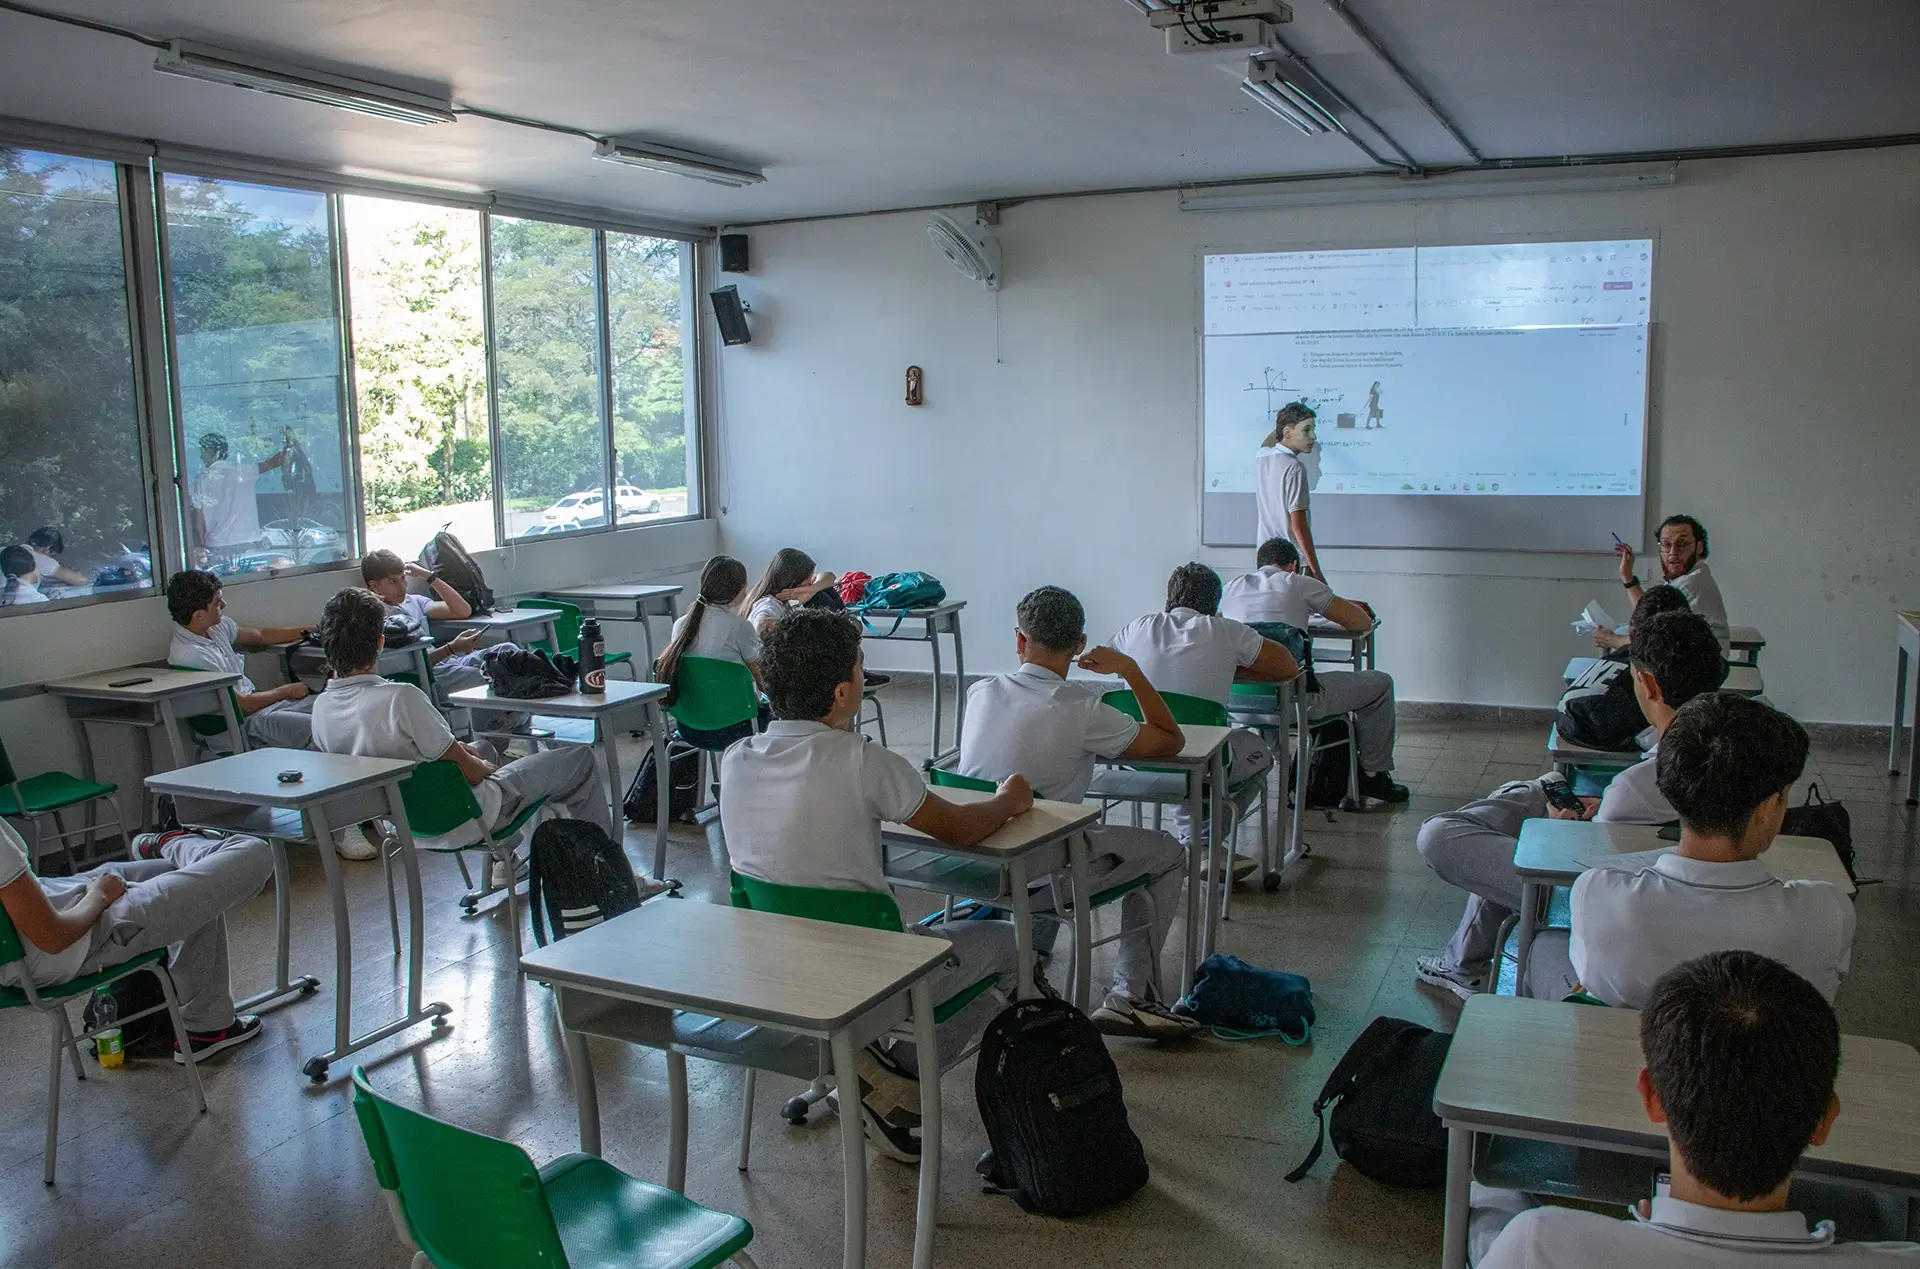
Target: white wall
{"type": "Point", "coordinates": [1059, 442]}
{"type": "Point", "coordinates": [40, 646]}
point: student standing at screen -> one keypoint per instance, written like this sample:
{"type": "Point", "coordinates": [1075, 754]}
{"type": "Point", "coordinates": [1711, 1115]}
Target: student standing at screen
{"type": "Point", "coordinates": [1281, 486]}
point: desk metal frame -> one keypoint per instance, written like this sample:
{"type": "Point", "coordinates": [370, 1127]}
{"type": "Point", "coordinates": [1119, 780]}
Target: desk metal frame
{"type": "Point", "coordinates": [507, 625]}
{"type": "Point", "coordinates": [239, 795]}
{"type": "Point", "coordinates": [933, 622]}
{"type": "Point", "coordinates": [624, 601]}
{"type": "Point", "coordinates": [1906, 704]}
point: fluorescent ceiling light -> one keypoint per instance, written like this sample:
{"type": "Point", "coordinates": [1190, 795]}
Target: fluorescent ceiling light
{"type": "Point", "coordinates": [1510, 183]}
{"type": "Point", "coordinates": [242, 70]}
{"type": "Point", "coordinates": [1287, 96]}
{"type": "Point", "coordinates": [665, 158]}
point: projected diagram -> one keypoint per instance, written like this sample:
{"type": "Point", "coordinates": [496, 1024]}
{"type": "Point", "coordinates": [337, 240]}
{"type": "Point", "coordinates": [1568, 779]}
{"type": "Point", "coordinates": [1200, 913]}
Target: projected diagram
{"type": "Point", "coordinates": [1458, 370]}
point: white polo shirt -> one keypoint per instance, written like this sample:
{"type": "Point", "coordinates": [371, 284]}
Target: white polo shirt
{"type": "Point", "coordinates": [45, 969]}
{"type": "Point", "coordinates": [213, 650]}
{"type": "Point", "coordinates": [1183, 651]}
{"type": "Point", "coordinates": [15, 591]}
{"type": "Point", "coordinates": [414, 609]}
{"type": "Point", "coordinates": [378, 718]}
{"type": "Point", "coordinates": [801, 804]}
{"type": "Point", "coordinates": [1280, 486]}
{"type": "Point", "coordinates": [1634, 795]}
{"type": "Point", "coordinates": [1034, 723]}
{"type": "Point", "coordinates": [768, 608]}
{"type": "Point", "coordinates": [225, 494]}
{"type": "Point", "coordinates": [1703, 593]}
{"type": "Point", "coordinates": [724, 635]}
{"type": "Point", "coordinates": [1635, 918]}
{"type": "Point", "coordinates": [1271, 593]}
{"type": "Point", "coordinates": [1681, 1235]}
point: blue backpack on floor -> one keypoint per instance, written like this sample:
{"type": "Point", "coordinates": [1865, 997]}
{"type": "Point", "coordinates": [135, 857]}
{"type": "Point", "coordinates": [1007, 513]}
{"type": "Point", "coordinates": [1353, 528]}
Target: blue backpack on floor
{"type": "Point", "coordinates": [1245, 1002]}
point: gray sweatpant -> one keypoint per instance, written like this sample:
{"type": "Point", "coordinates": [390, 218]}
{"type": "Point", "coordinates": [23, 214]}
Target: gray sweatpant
{"type": "Point", "coordinates": [462, 671]}
{"type": "Point", "coordinates": [1118, 854]}
{"type": "Point", "coordinates": [283, 725]}
{"type": "Point", "coordinates": [179, 902]}
{"type": "Point", "coordinates": [1473, 848]}
{"type": "Point", "coordinates": [1368, 696]}
{"type": "Point", "coordinates": [979, 948]}
{"type": "Point", "coordinates": [568, 776]}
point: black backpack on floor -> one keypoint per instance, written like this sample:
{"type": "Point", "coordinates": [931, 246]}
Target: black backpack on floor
{"type": "Point", "coordinates": [1327, 772]}
{"type": "Point", "coordinates": [151, 1036]}
{"type": "Point", "coordinates": [1049, 1096]}
{"type": "Point", "coordinates": [1382, 1098]}
{"type": "Point", "coordinates": [684, 761]}
{"type": "Point", "coordinates": [1817, 817]}
{"type": "Point", "coordinates": [578, 878]}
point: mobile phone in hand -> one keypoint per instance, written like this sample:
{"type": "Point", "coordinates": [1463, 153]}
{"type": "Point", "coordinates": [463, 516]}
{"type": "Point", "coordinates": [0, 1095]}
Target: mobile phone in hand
{"type": "Point", "coordinates": [1562, 796]}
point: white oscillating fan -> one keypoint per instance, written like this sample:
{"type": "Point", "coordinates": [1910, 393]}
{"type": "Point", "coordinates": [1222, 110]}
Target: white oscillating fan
{"type": "Point", "coordinates": [972, 250]}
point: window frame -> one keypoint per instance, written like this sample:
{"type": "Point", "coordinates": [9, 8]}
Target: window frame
{"type": "Point", "coordinates": [140, 172]}
{"type": "Point", "coordinates": [127, 193]}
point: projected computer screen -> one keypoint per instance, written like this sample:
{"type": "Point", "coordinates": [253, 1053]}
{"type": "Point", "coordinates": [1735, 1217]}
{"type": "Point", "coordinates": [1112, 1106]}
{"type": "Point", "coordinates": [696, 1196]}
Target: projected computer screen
{"type": "Point", "coordinates": [1489, 396]}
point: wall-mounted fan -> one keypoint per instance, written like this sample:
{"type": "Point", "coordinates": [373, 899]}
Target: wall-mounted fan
{"type": "Point", "coordinates": [973, 250]}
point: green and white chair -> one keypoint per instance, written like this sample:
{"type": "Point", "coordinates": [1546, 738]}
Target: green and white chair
{"type": "Point", "coordinates": [44, 796]}
{"type": "Point", "coordinates": [52, 1003]}
{"type": "Point", "coordinates": [440, 804]}
{"type": "Point", "coordinates": [463, 1200]}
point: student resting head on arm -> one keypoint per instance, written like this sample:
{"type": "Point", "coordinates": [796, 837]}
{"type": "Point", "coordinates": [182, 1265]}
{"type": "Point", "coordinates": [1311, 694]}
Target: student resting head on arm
{"type": "Point", "coordinates": [1726, 765]}
{"type": "Point", "coordinates": [790, 582]}
{"type": "Point", "coordinates": [801, 804]}
{"type": "Point", "coordinates": [1742, 1055]}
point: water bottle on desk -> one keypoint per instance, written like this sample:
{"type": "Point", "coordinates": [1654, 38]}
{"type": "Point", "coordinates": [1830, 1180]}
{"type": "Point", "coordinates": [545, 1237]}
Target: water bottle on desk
{"type": "Point", "coordinates": [106, 1020]}
{"type": "Point", "coordinates": [593, 658]}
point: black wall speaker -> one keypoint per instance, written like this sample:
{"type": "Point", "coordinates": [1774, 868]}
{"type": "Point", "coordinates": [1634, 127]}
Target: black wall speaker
{"type": "Point", "coordinates": [733, 254]}
{"type": "Point", "coordinates": [731, 314]}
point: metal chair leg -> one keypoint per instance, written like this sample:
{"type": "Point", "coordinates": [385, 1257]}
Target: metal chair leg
{"type": "Point", "coordinates": [513, 905]}
{"type": "Point", "coordinates": [393, 908]}
{"type": "Point", "coordinates": [746, 1117]}
{"type": "Point", "coordinates": [180, 1036]}
{"type": "Point", "coordinates": [53, 1098]}
{"type": "Point", "coordinates": [72, 1045]}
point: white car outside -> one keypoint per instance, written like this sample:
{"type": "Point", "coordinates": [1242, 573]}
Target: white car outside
{"type": "Point", "coordinates": [588, 507]}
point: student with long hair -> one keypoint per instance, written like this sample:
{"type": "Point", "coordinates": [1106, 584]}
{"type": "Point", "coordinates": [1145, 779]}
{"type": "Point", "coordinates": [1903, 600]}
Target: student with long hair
{"type": "Point", "coordinates": [712, 629]}
{"type": "Point", "coordinates": [790, 582]}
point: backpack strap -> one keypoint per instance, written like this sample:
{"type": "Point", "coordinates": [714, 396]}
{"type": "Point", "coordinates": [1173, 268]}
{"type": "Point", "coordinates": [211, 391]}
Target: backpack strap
{"type": "Point", "coordinates": [1380, 1035]}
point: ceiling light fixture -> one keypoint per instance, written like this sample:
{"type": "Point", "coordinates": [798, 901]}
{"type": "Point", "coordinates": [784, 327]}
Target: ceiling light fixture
{"type": "Point", "coordinates": [1594, 178]}
{"type": "Point", "coordinates": [665, 158]}
{"type": "Point", "coordinates": [1284, 91]}
{"type": "Point", "coordinates": [242, 70]}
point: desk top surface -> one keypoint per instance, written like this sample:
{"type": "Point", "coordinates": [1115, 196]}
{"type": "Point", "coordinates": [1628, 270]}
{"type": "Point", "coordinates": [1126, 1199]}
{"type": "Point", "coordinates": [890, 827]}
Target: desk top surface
{"type": "Point", "coordinates": [1542, 1065]}
{"type": "Point", "coordinates": [1745, 637]}
{"type": "Point", "coordinates": [251, 778]}
{"type": "Point", "coordinates": [708, 958]}
{"type": "Point", "coordinates": [937, 610]}
{"type": "Point", "coordinates": [612, 590]}
{"type": "Point", "coordinates": [159, 681]}
{"type": "Point", "coordinates": [1320, 627]}
{"type": "Point", "coordinates": [504, 617]}
{"type": "Point", "coordinates": [1566, 848]}
{"type": "Point", "coordinates": [1045, 822]}
{"type": "Point", "coordinates": [620, 694]}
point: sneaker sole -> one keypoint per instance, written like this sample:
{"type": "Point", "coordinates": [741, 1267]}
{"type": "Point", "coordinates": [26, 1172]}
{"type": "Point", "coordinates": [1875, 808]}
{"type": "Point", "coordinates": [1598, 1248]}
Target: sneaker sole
{"type": "Point", "coordinates": [202, 1052]}
{"type": "Point", "coordinates": [877, 1137]}
{"type": "Point", "coordinates": [1129, 1026]}
{"type": "Point", "coordinates": [1466, 991]}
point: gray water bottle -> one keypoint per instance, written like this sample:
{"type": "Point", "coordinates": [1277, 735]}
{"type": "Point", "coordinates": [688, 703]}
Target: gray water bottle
{"type": "Point", "coordinates": [593, 658]}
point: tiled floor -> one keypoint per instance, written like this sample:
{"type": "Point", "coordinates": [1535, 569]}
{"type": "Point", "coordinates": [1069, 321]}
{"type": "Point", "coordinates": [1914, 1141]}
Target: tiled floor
{"type": "Point", "coordinates": [276, 1173]}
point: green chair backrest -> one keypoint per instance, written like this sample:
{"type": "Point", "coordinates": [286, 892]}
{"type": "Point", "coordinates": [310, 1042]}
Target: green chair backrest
{"type": "Point", "coordinates": [865, 908]}
{"type": "Point", "coordinates": [209, 725]}
{"type": "Point", "coordinates": [954, 780]}
{"type": "Point", "coordinates": [9, 796]}
{"type": "Point", "coordinates": [471, 1201]}
{"type": "Point", "coordinates": [1197, 711]}
{"type": "Point", "coordinates": [566, 625]}
{"type": "Point", "coordinates": [713, 693]}
{"type": "Point", "coordinates": [438, 799]}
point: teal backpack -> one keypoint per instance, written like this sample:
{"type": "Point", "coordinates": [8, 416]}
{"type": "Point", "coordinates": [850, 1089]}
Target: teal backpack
{"type": "Point", "coordinates": [897, 592]}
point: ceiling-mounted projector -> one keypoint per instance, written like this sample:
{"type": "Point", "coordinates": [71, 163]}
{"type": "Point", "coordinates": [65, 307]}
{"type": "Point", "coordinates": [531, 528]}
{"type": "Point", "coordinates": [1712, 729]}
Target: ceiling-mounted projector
{"type": "Point", "coordinates": [973, 250]}
{"type": "Point", "coordinates": [1221, 26]}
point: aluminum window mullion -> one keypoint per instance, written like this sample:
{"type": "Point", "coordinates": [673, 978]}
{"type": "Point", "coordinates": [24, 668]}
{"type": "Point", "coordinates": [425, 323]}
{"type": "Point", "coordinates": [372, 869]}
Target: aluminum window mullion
{"type": "Point", "coordinates": [146, 342]}
{"type": "Point", "coordinates": [351, 479]}
{"type": "Point", "coordinates": [495, 464]}
{"type": "Point", "coordinates": [603, 305]}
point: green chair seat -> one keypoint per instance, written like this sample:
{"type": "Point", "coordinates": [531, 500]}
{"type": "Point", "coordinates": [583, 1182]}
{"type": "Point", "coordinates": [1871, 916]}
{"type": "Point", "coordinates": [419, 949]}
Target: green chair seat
{"type": "Point", "coordinates": [477, 1202]}
{"type": "Point", "coordinates": [14, 998]}
{"type": "Point", "coordinates": [51, 791]}
{"type": "Point", "coordinates": [943, 778]}
{"type": "Point", "coordinates": [952, 1005]}
{"type": "Point", "coordinates": [712, 694]}
{"type": "Point", "coordinates": [609, 1220]}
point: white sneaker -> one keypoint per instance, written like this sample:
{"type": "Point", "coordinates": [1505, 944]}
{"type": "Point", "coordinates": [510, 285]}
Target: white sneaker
{"type": "Point", "coordinates": [498, 877]}
{"type": "Point", "coordinates": [358, 843]}
{"type": "Point", "coordinates": [1436, 972]}
{"type": "Point", "coordinates": [1147, 1019]}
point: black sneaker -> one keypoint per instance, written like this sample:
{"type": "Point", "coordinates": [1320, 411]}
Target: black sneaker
{"type": "Point", "coordinates": [874, 680]}
{"type": "Point", "coordinates": [207, 1043]}
{"type": "Point", "coordinates": [1380, 787]}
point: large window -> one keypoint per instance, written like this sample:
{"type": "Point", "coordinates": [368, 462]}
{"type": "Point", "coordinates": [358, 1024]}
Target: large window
{"type": "Point", "coordinates": [419, 372]}
{"type": "Point", "coordinates": [71, 487]}
{"type": "Point", "coordinates": [546, 340]}
{"type": "Point", "coordinates": [254, 309]}
{"type": "Point", "coordinates": [649, 317]}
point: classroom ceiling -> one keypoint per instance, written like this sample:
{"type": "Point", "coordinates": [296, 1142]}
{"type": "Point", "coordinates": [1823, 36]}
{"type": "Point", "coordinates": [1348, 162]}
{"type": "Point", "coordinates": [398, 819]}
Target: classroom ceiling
{"type": "Point", "coordinates": [859, 105]}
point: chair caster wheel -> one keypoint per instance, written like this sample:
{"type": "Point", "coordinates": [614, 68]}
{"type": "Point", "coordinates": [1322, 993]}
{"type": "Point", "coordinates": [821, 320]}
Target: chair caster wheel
{"type": "Point", "coordinates": [315, 1070]}
{"type": "Point", "coordinates": [1270, 882]}
{"type": "Point", "coordinates": [795, 1111]}
{"type": "Point", "coordinates": [1349, 804]}
{"type": "Point", "coordinates": [309, 987]}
